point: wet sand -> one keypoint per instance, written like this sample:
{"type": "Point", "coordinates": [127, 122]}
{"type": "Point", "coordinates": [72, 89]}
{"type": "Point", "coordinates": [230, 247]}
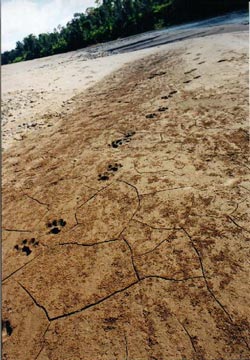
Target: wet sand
{"type": "Point", "coordinates": [35, 91]}
{"type": "Point", "coordinates": [126, 217]}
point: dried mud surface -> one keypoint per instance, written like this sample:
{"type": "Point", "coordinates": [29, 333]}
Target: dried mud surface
{"type": "Point", "coordinates": [126, 224]}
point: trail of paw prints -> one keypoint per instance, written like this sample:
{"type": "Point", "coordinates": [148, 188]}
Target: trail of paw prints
{"type": "Point", "coordinates": [127, 138]}
{"type": "Point", "coordinates": [162, 108]}
{"type": "Point", "coordinates": [56, 226]}
{"type": "Point", "coordinates": [111, 169]}
{"type": "Point", "coordinates": [190, 71]}
{"type": "Point", "coordinates": [153, 75]}
{"type": "Point", "coordinates": [26, 246]}
{"type": "Point", "coordinates": [223, 60]}
{"type": "Point", "coordinates": [7, 330]}
{"type": "Point", "coordinates": [194, 78]}
{"type": "Point", "coordinates": [151, 116]}
{"type": "Point", "coordinates": [173, 92]}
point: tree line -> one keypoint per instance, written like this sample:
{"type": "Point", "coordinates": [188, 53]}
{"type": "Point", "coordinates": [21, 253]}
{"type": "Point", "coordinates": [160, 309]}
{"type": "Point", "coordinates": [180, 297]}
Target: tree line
{"type": "Point", "coordinates": [112, 19]}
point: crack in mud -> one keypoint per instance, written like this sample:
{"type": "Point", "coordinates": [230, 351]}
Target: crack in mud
{"type": "Point", "coordinates": [132, 259]}
{"type": "Point", "coordinates": [157, 228]}
{"type": "Point", "coordinates": [126, 346]}
{"type": "Point", "coordinates": [187, 333]}
{"type": "Point", "coordinates": [156, 247]}
{"type": "Point", "coordinates": [138, 206]}
{"type": "Point", "coordinates": [43, 337]}
{"type": "Point", "coordinates": [34, 300]}
{"type": "Point", "coordinates": [152, 172]}
{"type": "Point", "coordinates": [20, 268]}
{"type": "Point", "coordinates": [167, 189]}
{"type": "Point", "coordinates": [89, 245]}
{"type": "Point", "coordinates": [205, 278]}
{"type": "Point", "coordinates": [93, 304]}
{"type": "Point", "coordinates": [38, 201]}
{"type": "Point", "coordinates": [170, 279]}
{"type": "Point", "coordinates": [235, 223]}
{"type": "Point", "coordinates": [203, 157]}
{"type": "Point", "coordinates": [17, 230]}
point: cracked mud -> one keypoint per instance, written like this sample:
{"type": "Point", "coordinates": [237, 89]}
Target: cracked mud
{"type": "Point", "coordinates": [152, 261]}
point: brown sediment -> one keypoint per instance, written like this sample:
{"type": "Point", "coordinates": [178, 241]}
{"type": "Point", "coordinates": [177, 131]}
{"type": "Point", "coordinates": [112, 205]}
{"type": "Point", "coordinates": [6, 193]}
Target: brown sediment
{"type": "Point", "coordinates": [151, 263]}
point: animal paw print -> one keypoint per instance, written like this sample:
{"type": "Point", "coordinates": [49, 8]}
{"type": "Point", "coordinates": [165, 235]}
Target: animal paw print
{"type": "Point", "coordinates": [165, 97]}
{"type": "Point", "coordinates": [151, 116]}
{"type": "Point", "coordinates": [56, 226]}
{"type": "Point", "coordinates": [26, 246]}
{"type": "Point", "coordinates": [153, 75]}
{"type": "Point", "coordinates": [110, 170]}
{"type": "Point", "coordinates": [127, 138]}
{"type": "Point", "coordinates": [6, 329]}
{"type": "Point", "coordinates": [190, 71]}
{"type": "Point", "coordinates": [163, 108]}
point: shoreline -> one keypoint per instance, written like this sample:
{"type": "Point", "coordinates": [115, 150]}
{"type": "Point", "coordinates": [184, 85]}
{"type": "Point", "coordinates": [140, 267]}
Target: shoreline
{"type": "Point", "coordinates": [126, 221]}
{"type": "Point", "coordinates": [28, 106]}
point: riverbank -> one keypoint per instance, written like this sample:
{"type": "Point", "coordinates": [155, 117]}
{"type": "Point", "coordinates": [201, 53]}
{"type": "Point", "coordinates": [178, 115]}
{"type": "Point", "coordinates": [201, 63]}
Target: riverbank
{"type": "Point", "coordinates": [36, 91]}
{"type": "Point", "coordinates": [126, 222]}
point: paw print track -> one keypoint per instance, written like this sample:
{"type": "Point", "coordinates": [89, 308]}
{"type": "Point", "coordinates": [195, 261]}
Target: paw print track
{"type": "Point", "coordinates": [162, 108]}
{"type": "Point", "coordinates": [110, 170]}
{"type": "Point", "coordinates": [56, 226]}
{"type": "Point", "coordinates": [190, 71]}
{"type": "Point", "coordinates": [165, 97]}
{"type": "Point", "coordinates": [151, 116]}
{"type": "Point", "coordinates": [114, 167]}
{"type": "Point", "coordinates": [26, 246]}
{"type": "Point", "coordinates": [127, 138]}
{"type": "Point", "coordinates": [103, 177]}
{"type": "Point", "coordinates": [6, 329]}
{"type": "Point", "coordinates": [153, 75]}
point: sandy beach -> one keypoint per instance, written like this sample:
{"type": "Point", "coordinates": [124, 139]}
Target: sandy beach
{"type": "Point", "coordinates": [126, 203]}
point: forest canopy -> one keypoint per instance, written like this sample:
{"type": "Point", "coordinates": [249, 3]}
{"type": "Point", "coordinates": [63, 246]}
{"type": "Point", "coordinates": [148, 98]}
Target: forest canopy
{"type": "Point", "coordinates": [112, 19]}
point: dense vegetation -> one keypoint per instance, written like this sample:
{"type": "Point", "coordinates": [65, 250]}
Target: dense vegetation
{"type": "Point", "coordinates": [112, 19]}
